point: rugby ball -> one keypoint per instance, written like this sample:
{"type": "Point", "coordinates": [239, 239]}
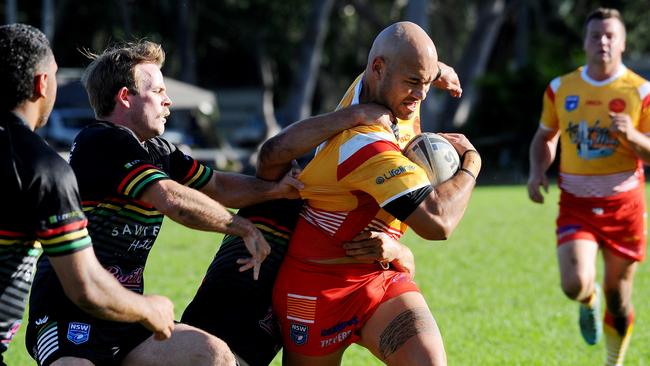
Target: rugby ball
{"type": "Point", "coordinates": [435, 155]}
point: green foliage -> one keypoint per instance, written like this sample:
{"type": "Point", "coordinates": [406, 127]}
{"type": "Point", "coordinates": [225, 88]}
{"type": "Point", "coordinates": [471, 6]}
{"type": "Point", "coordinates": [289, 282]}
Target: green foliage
{"type": "Point", "coordinates": [493, 287]}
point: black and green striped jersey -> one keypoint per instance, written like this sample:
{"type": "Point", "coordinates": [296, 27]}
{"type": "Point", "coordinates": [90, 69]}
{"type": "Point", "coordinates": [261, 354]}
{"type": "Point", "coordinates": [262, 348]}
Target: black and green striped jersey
{"type": "Point", "coordinates": [113, 168]}
{"type": "Point", "coordinates": [41, 204]}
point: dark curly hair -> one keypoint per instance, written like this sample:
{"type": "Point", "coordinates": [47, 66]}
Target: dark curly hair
{"type": "Point", "coordinates": [24, 51]}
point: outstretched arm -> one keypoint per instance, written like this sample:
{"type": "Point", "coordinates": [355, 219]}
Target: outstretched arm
{"type": "Point", "coordinates": [239, 190]}
{"type": "Point", "coordinates": [542, 153]}
{"type": "Point", "coordinates": [98, 293]}
{"type": "Point", "coordinates": [194, 209]}
{"type": "Point", "coordinates": [303, 136]}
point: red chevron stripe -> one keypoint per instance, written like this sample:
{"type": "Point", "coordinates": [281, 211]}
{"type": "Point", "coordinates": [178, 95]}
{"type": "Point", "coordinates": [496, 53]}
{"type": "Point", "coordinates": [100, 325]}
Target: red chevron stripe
{"type": "Point", "coordinates": [362, 155]}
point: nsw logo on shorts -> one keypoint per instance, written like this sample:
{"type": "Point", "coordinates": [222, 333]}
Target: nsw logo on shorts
{"type": "Point", "coordinates": [78, 333]}
{"type": "Point", "coordinates": [299, 333]}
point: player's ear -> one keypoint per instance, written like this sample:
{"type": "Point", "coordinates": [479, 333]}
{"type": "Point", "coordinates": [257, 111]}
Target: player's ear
{"type": "Point", "coordinates": [122, 97]}
{"type": "Point", "coordinates": [40, 85]}
{"type": "Point", "coordinates": [378, 66]}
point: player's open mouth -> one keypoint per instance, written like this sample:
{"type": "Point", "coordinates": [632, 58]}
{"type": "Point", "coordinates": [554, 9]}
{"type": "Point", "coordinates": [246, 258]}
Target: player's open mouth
{"type": "Point", "coordinates": [411, 106]}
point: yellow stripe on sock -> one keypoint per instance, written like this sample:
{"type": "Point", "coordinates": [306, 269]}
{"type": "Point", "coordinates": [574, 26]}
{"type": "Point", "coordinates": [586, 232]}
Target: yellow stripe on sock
{"type": "Point", "coordinates": [616, 345]}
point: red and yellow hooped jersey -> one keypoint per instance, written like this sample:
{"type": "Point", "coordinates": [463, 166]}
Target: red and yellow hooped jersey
{"type": "Point", "coordinates": [352, 176]}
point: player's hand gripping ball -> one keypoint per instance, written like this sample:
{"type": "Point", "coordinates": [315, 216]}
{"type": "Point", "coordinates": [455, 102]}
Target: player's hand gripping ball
{"type": "Point", "coordinates": [435, 155]}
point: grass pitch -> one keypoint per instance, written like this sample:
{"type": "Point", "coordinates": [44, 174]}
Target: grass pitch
{"type": "Point", "coordinates": [493, 287]}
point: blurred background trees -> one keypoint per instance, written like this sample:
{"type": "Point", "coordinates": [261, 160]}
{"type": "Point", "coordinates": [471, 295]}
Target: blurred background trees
{"type": "Point", "coordinates": [302, 54]}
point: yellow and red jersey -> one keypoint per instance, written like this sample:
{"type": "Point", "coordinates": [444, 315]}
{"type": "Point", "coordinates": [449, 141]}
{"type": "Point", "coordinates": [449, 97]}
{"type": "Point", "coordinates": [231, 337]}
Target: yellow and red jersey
{"type": "Point", "coordinates": [352, 176]}
{"type": "Point", "coordinates": [593, 161]}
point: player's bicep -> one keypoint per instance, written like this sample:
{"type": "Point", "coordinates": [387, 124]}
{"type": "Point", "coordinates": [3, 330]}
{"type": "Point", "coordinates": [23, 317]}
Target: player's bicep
{"type": "Point", "coordinates": [161, 194]}
{"type": "Point", "coordinates": [403, 206]}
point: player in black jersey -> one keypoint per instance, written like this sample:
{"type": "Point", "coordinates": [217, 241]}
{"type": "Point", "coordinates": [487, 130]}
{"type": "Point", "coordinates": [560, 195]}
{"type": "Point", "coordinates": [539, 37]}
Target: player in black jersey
{"type": "Point", "coordinates": [129, 179]}
{"type": "Point", "coordinates": [41, 203]}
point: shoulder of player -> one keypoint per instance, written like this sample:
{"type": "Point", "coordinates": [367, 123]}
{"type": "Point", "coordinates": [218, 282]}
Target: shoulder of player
{"type": "Point", "coordinates": [104, 132]}
{"type": "Point", "coordinates": [565, 79]}
{"type": "Point", "coordinates": [374, 131]}
{"type": "Point", "coordinates": [49, 166]}
{"type": "Point", "coordinates": [161, 144]}
{"type": "Point", "coordinates": [34, 152]}
{"type": "Point", "coordinates": [635, 79]}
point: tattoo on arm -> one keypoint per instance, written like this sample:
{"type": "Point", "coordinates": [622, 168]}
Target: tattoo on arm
{"type": "Point", "coordinates": [404, 326]}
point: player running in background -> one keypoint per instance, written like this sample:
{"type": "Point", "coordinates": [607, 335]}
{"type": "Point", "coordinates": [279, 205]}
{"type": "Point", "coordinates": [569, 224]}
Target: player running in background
{"type": "Point", "coordinates": [340, 299]}
{"type": "Point", "coordinates": [600, 114]}
{"type": "Point", "coordinates": [129, 178]}
{"type": "Point", "coordinates": [41, 203]}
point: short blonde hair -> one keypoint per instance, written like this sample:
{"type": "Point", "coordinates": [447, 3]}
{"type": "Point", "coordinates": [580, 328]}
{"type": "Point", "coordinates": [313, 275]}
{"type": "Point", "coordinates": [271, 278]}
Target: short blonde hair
{"type": "Point", "coordinates": [114, 69]}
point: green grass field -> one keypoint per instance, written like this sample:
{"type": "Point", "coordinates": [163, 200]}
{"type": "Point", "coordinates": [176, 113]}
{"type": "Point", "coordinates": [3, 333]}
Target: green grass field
{"type": "Point", "coordinates": [493, 287]}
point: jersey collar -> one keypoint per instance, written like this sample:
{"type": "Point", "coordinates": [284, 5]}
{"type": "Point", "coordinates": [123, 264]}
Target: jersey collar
{"type": "Point", "coordinates": [618, 74]}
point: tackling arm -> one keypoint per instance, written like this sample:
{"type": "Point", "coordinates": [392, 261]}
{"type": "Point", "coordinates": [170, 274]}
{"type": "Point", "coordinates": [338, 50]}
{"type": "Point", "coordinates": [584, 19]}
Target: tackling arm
{"type": "Point", "coordinates": [542, 154]}
{"type": "Point", "coordinates": [238, 190]}
{"type": "Point", "coordinates": [194, 209]}
{"type": "Point", "coordinates": [370, 246]}
{"type": "Point", "coordinates": [98, 293]}
{"type": "Point", "coordinates": [303, 136]}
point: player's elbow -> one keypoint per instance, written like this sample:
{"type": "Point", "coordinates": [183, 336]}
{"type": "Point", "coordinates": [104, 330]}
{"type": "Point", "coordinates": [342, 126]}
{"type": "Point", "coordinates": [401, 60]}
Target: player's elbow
{"type": "Point", "coordinates": [433, 221]}
{"type": "Point", "coordinates": [440, 230]}
{"type": "Point", "coordinates": [164, 197]}
{"type": "Point", "coordinates": [437, 228]}
{"type": "Point", "coordinates": [84, 295]}
{"type": "Point", "coordinates": [269, 154]}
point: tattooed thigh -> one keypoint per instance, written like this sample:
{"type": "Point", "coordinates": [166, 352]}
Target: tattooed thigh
{"type": "Point", "coordinates": [404, 326]}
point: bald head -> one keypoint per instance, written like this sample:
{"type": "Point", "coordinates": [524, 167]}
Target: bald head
{"type": "Point", "coordinates": [402, 64]}
{"type": "Point", "coordinates": [403, 41]}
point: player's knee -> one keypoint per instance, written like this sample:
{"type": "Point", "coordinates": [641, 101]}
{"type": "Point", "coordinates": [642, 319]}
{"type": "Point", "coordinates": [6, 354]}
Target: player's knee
{"type": "Point", "coordinates": [212, 351]}
{"type": "Point", "coordinates": [577, 286]}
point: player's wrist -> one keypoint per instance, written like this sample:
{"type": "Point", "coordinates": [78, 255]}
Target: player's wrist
{"type": "Point", "coordinates": [470, 163]}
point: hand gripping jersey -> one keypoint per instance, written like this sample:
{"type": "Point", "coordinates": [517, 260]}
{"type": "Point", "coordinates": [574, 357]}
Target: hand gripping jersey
{"type": "Point", "coordinates": [593, 162]}
{"type": "Point", "coordinates": [113, 169]}
{"type": "Point", "coordinates": [40, 204]}
{"type": "Point", "coordinates": [358, 180]}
